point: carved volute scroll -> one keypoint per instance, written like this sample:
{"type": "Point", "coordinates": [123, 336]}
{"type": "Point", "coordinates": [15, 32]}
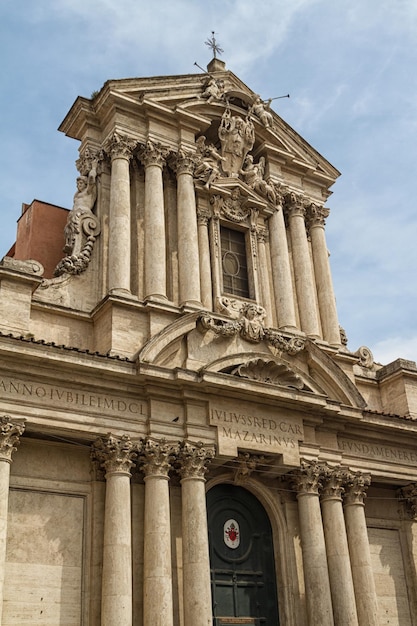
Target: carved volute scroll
{"type": "Point", "coordinates": [115, 454]}
{"type": "Point", "coordinates": [193, 459]}
{"type": "Point", "coordinates": [156, 456]}
{"type": "Point", "coordinates": [356, 487]}
{"type": "Point", "coordinates": [10, 433]}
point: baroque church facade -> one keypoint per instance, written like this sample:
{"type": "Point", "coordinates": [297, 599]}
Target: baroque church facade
{"type": "Point", "coordinates": [186, 438]}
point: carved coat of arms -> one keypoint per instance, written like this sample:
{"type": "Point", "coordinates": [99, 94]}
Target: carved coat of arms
{"type": "Point", "coordinates": [231, 534]}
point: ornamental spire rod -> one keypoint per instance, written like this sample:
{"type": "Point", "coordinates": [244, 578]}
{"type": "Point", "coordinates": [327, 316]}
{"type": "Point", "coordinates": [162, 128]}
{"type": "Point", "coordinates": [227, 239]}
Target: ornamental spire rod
{"type": "Point", "coordinates": [212, 43]}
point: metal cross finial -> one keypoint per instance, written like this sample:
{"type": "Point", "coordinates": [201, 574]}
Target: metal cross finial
{"type": "Point", "coordinates": [211, 43]}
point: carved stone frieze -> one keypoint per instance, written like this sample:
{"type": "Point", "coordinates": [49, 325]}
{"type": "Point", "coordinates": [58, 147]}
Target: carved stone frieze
{"type": "Point", "coordinates": [115, 454]}
{"type": "Point", "coordinates": [357, 485]}
{"type": "Point", "coordinates": [193, 459]}
{"type": "Point", "coordinates": [156, 457]}
{"type": "Point", "coordinates": [10, 432]}
{"type": "Point", "coordinates": [267, 371]}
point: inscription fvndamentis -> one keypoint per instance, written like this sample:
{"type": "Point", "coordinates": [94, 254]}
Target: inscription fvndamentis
{"type": "Point", "coordinates": [377, 451]}
{"type": "Point", "coordinates": [266, 432]}
{"type": "Point", "coordinates": [65, 398]}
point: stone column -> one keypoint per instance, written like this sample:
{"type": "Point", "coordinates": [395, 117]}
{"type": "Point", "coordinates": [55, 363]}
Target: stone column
{"type": "Point", "coordinates": [338, 561]}
{"type": "Point", "coordinates": [157, 567]}
{"type": "Point", "coordinates": [304, 279]}
{"type": "Point", "coordinates": [116, 456]}
{"type": "Point", "coordinates": [360, 554]}
{"type": "Point", "coordinates": [324, 284]}
{"type": "Point", "coordinates": [195, 548]}
{"type": "Point", "coordinates": [10, 433]}
{"type": "Point", "coordinates": [262, 235]}
{"type": "Point", "coordinates": [203, 216]}
{"type": "Point", "coordinates": [307, 482]}
{"type": "Point", "coordinates": [120, 149]}
{"type": "Point", "coordinates": [281, 271]}
{"type": "Point", "coordinates": [188, 254]}
{"type": "Point", "coordinates": [153, 157]}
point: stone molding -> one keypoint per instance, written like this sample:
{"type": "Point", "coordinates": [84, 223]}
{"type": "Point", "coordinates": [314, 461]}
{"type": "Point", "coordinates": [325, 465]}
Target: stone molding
{"type": "Point", "coordinates": [10, 433]}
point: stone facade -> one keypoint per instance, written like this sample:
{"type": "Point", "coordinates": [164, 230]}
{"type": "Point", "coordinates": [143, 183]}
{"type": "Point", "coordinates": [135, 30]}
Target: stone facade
{"type": "Point", "coordinates": [188, 341]}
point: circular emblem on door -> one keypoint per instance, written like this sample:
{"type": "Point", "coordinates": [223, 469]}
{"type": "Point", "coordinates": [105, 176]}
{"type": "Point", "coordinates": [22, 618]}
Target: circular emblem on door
{"type": "Point", "coordinates": [231, 534]}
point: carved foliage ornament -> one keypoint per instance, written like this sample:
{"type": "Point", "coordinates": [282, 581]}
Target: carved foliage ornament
{"type": "Point", "coordinates": [10, 433]}
{"type": "Point", "coordinates": [408, 494]}
{"type": "Point", "coordinates": [115, 454]}
{"type": "Point", "coordinates": [194, 459]}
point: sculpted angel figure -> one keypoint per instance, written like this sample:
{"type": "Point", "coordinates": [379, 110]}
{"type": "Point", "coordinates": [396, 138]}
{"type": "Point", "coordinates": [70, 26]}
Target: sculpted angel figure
{"type": "Point", "coordinates": [253, 175]}
{"type": "Point", "coordinates": [208, 166]}
{"type": "Point", "coordinates": [253, 322]}
{"type": "Point", "coordinates": [214, 90]}
{"type": "Point", "coordinates": [262, 111]}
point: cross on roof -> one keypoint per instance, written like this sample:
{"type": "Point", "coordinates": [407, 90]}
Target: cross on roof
{"type": "Point", "coordinates": [211, 43]}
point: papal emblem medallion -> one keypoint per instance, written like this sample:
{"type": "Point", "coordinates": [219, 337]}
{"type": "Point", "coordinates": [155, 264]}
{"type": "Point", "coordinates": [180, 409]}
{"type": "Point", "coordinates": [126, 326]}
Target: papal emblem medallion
{"type": "Point", "coordinates": [231, 534]}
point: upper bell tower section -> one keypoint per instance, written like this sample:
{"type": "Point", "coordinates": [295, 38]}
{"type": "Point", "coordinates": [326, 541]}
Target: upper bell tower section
{"type": "Point", "coordinates": [205, 199]}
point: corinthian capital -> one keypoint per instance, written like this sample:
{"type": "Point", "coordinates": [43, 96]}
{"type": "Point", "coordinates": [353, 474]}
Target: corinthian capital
{"type": "Point", "coordinates": [115, 454]}
{"type": "Point", "coordinates": [356, 487]}
{"type": "Point", "coordinates": [184, 163]}
{"type": "Point", "coordinates": [153, 154]}
{"type": "Point", "coordinates": [333, 483]}
{"type": "Point", "coordinates": [10, 433]}
{"type": "Point", "coordinates": [156, 457]}
{"type": "Point", "coordinates": [193, 459]}
{"type": "Point", "coordinates": [295, 204]}
{"type": "Point", "coordinates": [317, 215]}
{"type": "Point", "coordinates": [120, 146]}
{"type": "Point", "coordinates": [308, 479]}
{"type": "Point", "coordinates": [408, 494]}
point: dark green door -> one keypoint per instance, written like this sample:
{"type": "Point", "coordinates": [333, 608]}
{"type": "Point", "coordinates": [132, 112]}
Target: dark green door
{"type": "Point", "coordinates": [241, 557]}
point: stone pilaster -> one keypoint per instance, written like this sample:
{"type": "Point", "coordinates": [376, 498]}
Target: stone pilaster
{"type": "Point", "coordinates": [188, 253]}
{"type": "Point", "coordinates": [120, 150]}
{"type": "Point", "coordinates": [360, 554]}
{"type": "Point", "coordinates": [307, 482]}
{"type": "Point", "coordinates": [325, 292]}
{"type": "Point", "coordinates": [341, 582]}
{"type": "Point", "coordinates": [304, 278]}
{"type": "Point", "coordinates": [156, 459]}
{"type": "Point", "coordinates": [116, 455]}
{"type": "Point", "coordinates": [10, 433]}
{"type": "Point", "coordinates": [153, 158]}
{"type": "Point", "coordinates": [262, 236]}
{"type": "Point", "coordinates": [203, 216]}
{"type": "Point", "coordinates": [193, 460]}
{"type": "Point", "coordinates": [281, 270]}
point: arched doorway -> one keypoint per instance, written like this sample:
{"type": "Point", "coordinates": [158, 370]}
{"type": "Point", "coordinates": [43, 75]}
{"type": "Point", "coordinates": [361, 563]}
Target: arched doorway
{"type": "Point", "coordinates": [241, 558]}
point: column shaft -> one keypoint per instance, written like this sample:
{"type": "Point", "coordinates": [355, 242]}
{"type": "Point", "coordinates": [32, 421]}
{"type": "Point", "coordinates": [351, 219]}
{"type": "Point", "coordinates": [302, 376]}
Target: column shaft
{"type": "Point", "coordinates": [325, 292]}
{"type": "Point", "coordinates": [196, 561]}
{"type": "Point", "coordinates": [119, 218]}
{"type": "Point", "coordinates": [316, 574]}
{"type": "Point", "coordinates": [10, 433]}
{"type": "Point", "coordinates": [360, 554]}
{"type": "Point", "coordinates": [188, 253]}
{"type": "Point", "coordinates": [281, 271]}
{"type": "Point", "coordinates": [264, 276]}
{"type": "Point", "coordinates": [116, 455]}
{"type": "Point", "coordinates": [341, 583]}
{"type": "Point", "coordinates": [304, 281]}
{"type": "Point", "coordinates": [154, 223]}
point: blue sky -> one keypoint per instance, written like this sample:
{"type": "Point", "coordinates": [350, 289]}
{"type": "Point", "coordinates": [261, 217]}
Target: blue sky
{"type": "Point", "coordinates": [349, 66]}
